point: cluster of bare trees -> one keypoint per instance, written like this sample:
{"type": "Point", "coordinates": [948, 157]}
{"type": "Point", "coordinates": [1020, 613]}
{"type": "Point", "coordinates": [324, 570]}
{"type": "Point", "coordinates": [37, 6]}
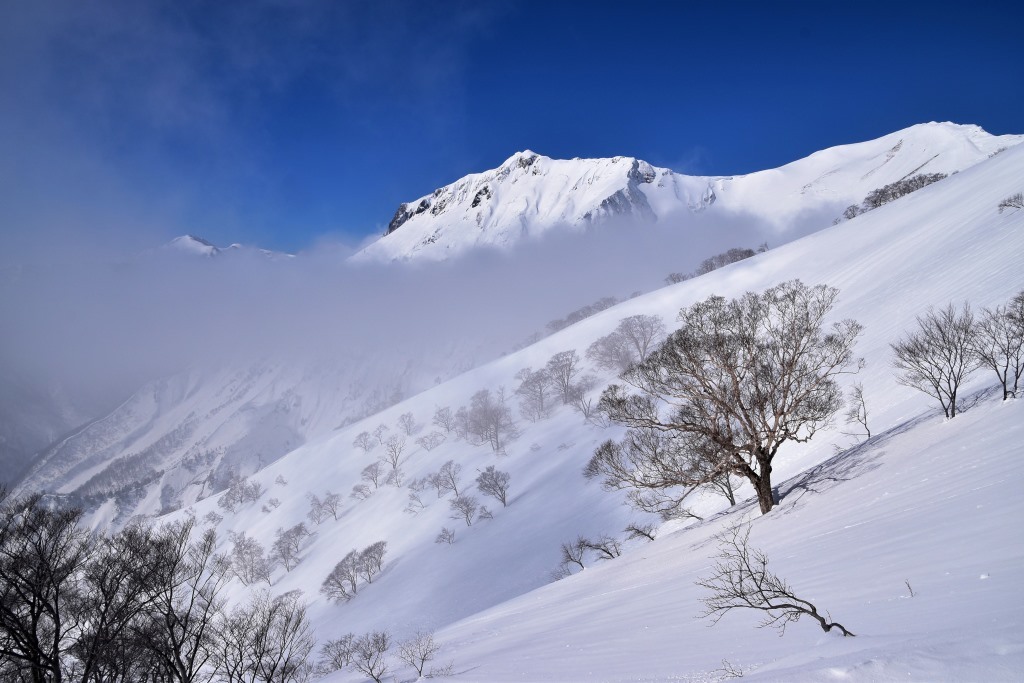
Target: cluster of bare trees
{"type": "Point", "coordinates": [890, 192]}
{"type": "Point", "coordinates": [1014, 201]}
{"type": "Point", "coordinates": [240, 492]}
{"type": "Point", "coordinates": [142, 604]}
{"type": "Point", "coordinates": [320, 508]}
{"type": "Point", "coordinates": [368, 654]}
{"type": "Point", "coordinates": [576, 552]}
{"type": "Point", "coordinates": [631, 342]}
{"type": "Point", "coordinates": [951, 343]}
{"type": "Point", "coordinates": [715, 262]}
{"type": "Point", "coordinates": [342, 584]}
{"type": "Point", "coordinates": [487, 420]}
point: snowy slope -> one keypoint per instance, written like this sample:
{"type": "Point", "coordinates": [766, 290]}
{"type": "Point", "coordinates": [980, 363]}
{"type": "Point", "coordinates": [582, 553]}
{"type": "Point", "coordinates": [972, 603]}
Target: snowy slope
{"type": "Point", "coordinates": [531, 194]}
{"type": "Point", "coordinates": [924, 501]}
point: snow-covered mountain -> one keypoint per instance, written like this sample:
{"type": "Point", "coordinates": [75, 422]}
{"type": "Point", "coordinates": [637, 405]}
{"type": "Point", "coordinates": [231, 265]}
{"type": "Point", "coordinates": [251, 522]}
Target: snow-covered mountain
{"type": "Point", "coordinates": [531, 194]}
{"type": "Point", "coordinates": [925, 505]}
{"type": "Point", "coordinates": [190, 244]}
{"type": "Point", "coordinates": [177, 439]}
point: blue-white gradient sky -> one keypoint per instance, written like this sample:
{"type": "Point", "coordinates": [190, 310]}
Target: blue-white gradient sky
{"type": "Point", "coordinates": [288, 124]}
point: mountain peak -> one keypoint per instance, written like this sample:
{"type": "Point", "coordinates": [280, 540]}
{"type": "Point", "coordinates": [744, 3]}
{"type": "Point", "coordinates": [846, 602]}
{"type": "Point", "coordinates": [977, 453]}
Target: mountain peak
{"type": "Point", "coordinates": [195, 245]}
{"type": "Point", "coordinates": [529, 194]}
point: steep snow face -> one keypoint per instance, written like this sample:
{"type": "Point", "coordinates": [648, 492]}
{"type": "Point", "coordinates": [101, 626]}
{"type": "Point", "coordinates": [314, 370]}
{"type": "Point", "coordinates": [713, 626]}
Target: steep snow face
{"type": "Point", "coordinates": [925, 501]}
{"type": "Point", "coordinates": [531, 194]}
{"type": "Point", "coordinates": [527, 195]}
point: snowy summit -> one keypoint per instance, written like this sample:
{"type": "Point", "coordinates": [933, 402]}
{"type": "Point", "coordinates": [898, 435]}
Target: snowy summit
{"type": "Point", "coordinates": [530, 194]}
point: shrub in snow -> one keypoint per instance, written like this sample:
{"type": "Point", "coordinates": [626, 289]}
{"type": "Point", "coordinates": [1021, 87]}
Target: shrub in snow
{"type": "Point", "coordinates": [1014, 201]}
{"type": "Point", "coordinates": [446, 536]}
{"type": "Point", "coordinates": [741, 580]}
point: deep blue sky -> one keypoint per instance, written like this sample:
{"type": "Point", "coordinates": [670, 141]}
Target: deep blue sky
{"type": "Point", "coordinates": [286, 123]}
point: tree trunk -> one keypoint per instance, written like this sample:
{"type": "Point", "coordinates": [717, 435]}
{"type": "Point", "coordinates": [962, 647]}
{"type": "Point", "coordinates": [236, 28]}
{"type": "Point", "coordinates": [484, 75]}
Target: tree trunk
{"type": "Point", "coordinates": [763, 484]}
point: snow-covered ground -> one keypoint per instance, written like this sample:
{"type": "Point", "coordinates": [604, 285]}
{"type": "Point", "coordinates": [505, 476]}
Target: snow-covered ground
{"type": "Point", "coordinates": [926, 501]}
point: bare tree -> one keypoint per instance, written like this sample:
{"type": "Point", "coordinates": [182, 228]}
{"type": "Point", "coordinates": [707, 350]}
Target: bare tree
{"type": "Point", "coordinates": [180, 631]}
{"type": "Point", "coordinates": [430, 441]}
{"type": "Point", "coordinates": [342, 584]}
{"type": "Point", "coordinates": [611, 352]}
{"type": "Point", "coordinates": [281, 481]}
{"type": "Point", "coordinates": [331, 504]}
{"type": "Point", "coordinates": [741, 580]}
{"type": "Point", "coordinates": [213, 518]}
{"type": "Point", "coordinates": [464, 507]}
{"type": "Point", "coordinates": [317, 513]}
{"type": "Point", "coordinates": [379, 433]}
{"type": "Point", "coordinates": [364, 441]}
{"type": "Point", "coordinates": [938, 356]}
{"type": "Point", "coordinates": [371, 560]}
{"type": "Point", "coordinates": [857, 409]}
{"type": "Point", "coordinates": [659, 469]}
{"type": "Point", "coordinates": [268, 639]}
{"type": "Point", "coordinates": [999, 343]}
{"type": "Point", "coordinates": [574, 551]}
{"type": "Point", "coordinates": [369, 654]}
{"type": "Point", "coordinates": [563, 368]}
{"type": "Point", "coordinates": [606, 547]}
{"type": "Point", "coordinates": [494, 483]}
{"type": "Point", "coordinates": [337, 654]}
{"type": "Point", "coordinates": [240, 492]}
{"type": "Point", "coordinates": [536, 393]}
{"type": "Point", "coordinates": [249, 560]}
{"type": "Point", "coordinates": [373, 473]}
{"type": "Point", "coordinates": [288, 544]}
{"type": "Point", "coordinates": [418, 650]}
{"type": "Point", "coordinates": [393, 449]}
{"type": "Point", "coordinates": [42, 553]}
{"type": "Point", "coordinates": [407, 423]}
{"type": "Point", "coordinates": [643, 333]}
{"type": "Point", "coordinates": [445, 536]}
{"type": "Point", "coordinates": [444, 419]}
{"type": "Point", "coordinates": [637, 530]}
{"type": "Point", "coordinates": [489, 420]}
{"type": "Point", "coordinates": [415, 504]}
{"type": "Point", "coordinates": [360, 492]}
{"type": "Point", "coordinates": [738, 380]}
{"type": "Point", "coordinates": [448, 478]}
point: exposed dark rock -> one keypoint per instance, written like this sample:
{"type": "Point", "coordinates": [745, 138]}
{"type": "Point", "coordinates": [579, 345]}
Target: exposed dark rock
{"type": "Point", "coordinates": [483, 194]}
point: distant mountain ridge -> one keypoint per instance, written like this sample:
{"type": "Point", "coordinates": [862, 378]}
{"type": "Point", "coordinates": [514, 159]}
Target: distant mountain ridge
{"type": "Point", "coordinates": [530, 194]}
{"type": "Point", "coordinates": [191, 244]}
